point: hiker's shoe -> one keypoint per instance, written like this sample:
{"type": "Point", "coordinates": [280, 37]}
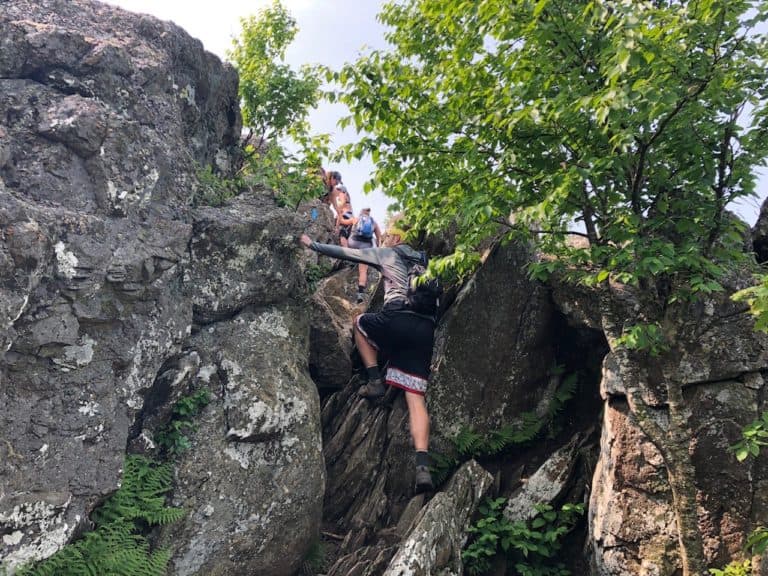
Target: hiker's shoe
{"type": "Point", "coordinates": [360, 297]}
{"type": "Point", "coordinates": [423, 479]}
{"type": "Point", "coordinates": [374, 390]}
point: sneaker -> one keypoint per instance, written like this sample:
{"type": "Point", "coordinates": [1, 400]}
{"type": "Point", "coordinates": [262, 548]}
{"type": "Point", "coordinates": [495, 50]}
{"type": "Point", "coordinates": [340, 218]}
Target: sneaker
{"type": "Point", "coordinates": [360, 297]}
{"type": "Point", "coordinates": [373, 390]}
{"type": "Point", "coordinates": [423, 479]}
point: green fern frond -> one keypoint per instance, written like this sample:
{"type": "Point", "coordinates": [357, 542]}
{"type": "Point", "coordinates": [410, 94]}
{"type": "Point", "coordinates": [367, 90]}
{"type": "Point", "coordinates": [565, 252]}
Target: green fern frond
{"type": "Point", "coordinates": [116, 547]}
{"type": "Point", "coordinates": [466, 441]}
{"type": "Point", "coordinates": [442, 466]}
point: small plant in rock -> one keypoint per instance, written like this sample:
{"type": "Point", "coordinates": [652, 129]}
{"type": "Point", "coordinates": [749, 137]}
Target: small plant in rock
{"type": "Point", "coordinates": [173, 437]}
{"type": "Point", "coordinates": [753, 437]}
{"type": "Point", "coordinates": [470, 444]}
{"type": "Point", "coordinates": [215, 190]}
{"type": "Point", "coordinates": [313, 273]}
{"type": "Point", "coordinates": [531, 545]}
{"type": "Point", "coordinates": [736, 568]}
{"type": "Point", "coordinates": [117, 544]}
{"type": "Point", "coordinates": [315, 561]}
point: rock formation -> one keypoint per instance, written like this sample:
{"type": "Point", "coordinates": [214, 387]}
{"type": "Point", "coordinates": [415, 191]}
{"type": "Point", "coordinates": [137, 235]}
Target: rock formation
{"type": "Point", "coordinates": [117, 296]}
{"type": "Point", "coordinates": [121, 293]}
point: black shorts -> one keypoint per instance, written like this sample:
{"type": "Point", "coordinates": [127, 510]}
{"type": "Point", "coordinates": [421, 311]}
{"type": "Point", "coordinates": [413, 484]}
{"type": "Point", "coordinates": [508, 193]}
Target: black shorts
{"type": "Point", "coordinates": [406, 339]}
{"type": "Point", "coordinates": [344, 231]}
{"type": "Point", "coordinates": [360, 242]}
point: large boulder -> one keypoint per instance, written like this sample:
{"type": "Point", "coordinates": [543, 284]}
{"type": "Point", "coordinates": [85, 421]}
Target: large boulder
{"type": "Point", "coordinates": [255, 466]}
{"type": "Point", "coordinates": [495, 349]}
{"type": "Point", "coordinates": [252, 248]}
{"type": "Point", "coordinates": [105, 119]}
{"type": "Point", "coordinates": [720, 363]}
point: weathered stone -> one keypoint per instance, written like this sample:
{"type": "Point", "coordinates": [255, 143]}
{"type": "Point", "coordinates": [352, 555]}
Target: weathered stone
{"type": "Point", "coordinates": [632, 524]}
{"type": "Point", "coordinates": [333, 313]}
{"type": "Point", "coordinates": [494, 354]}
{"type": "Point", "coordinates": [104, 118]}
{"type": "Point", "coordinates": [438, 536]}
{"type": "Point", "coordinates": [256, 464]}
{"type": "Point", "coordinates": [546, 485]}
{"type": "Point", "coordinates": [760, 234]}
{"type": "Point", "coordinates": [253, 247]}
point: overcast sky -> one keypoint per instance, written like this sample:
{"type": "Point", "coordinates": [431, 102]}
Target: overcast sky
{"type": "Point", "coordinates": [331, 32]}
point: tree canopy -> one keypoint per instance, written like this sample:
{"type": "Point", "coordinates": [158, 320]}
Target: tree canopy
{"type": "Point", "coordinates": [275, 104]}
{"type": "Point", "coordinates": [633, 123]}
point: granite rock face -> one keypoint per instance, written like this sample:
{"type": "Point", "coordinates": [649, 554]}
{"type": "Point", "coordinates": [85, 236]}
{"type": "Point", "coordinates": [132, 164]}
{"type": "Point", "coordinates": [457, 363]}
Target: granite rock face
{"type": "Point", "coordinates": [255, 466]}
{"type": "Point", "coordinates": [112, 287]}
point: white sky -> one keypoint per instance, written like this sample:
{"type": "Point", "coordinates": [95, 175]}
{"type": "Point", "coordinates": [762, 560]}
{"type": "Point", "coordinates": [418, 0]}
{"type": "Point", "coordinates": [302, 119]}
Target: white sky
{"type": "Point", "coordinates": [331, 32]}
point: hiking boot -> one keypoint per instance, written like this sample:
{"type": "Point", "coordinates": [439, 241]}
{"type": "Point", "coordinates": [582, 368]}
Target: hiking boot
{"type": "Point", "coordinates": [360, 297]}
{"type": "Point", "coordinates": [374, 390]}
{"type": "Point", "coordinates": [423, 479]}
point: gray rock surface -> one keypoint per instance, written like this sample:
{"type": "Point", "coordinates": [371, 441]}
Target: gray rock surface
{"type": "Point", "coordinates": [255, 466]}
{"type": "Point", "coordinates": [545, 485]}
{"type": "Point", "coordinates": [440, 530]}
{"type": "Point", "coordinates": [105, 119]}
{"type": "Point", "coordinates": [495, 349]}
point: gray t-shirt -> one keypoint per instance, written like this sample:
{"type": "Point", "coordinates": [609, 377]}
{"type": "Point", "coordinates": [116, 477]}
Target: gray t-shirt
{"type": "Point", "coordinates": [393, 267]}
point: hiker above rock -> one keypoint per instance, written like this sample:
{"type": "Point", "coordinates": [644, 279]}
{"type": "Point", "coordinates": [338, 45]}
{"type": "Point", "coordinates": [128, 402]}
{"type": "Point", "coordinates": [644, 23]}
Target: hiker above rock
{"type": "Point", "coordinates": [403, 331]}
{"type": "Point", "coordinates": [331, 180]}
{"type": "Point", "coordinates": [364, 230]}
{"type": "Point", "coordinates": [345, 217]}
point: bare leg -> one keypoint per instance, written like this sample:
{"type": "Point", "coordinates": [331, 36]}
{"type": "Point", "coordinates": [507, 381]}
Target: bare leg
{"type": "Point", "coordinates": [419, 419]}
{"type": "Point", "coordinates": [362, 274]}
{"type": "Point", "coordinates": [368, 353]}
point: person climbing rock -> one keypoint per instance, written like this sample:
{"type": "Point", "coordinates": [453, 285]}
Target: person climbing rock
{"type": "Point", "coordinates": [363, 232]}
{"type": "Point", "coordinates": [403, 331]}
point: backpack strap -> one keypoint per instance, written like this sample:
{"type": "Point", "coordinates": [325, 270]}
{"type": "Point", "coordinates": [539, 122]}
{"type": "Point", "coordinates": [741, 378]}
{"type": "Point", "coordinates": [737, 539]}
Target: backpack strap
{"type": "Point", "coordinates": [420, 259]}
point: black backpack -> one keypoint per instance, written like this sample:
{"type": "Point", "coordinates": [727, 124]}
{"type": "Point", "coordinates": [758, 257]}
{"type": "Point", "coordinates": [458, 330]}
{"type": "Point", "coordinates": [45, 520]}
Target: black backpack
{"type": "Point", "coordinates": [423, 294]}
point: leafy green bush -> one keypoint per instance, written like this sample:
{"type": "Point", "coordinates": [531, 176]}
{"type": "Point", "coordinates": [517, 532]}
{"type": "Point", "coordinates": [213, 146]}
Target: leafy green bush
{"type": "Point", "coordinates": [117, 546]}
{"type": "Point", "coordinates": [172, 438]}
{"type": "Point", "coordinates": [531, 545]}
{"type": "Point", "coordinates": [276, 101]}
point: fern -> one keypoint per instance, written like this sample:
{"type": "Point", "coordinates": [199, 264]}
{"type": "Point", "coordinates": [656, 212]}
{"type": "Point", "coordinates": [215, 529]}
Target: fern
{"type": "Point", "coordinates": [142, 496]}
{"type": "Point", "coordinates": [116, 547]}
{"type": "Point", "coordinates": [532, 545]}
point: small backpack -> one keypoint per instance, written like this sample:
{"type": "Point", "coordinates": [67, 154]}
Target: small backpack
{"type": "Point", "coordinates": [364, 227]}
{"type": "Point", "coordinates": [423, 294]}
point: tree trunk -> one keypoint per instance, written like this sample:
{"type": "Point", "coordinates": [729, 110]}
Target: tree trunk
{"type": "Point", "coordinates": [682, 480]}
{"type": "Point", "coordinates": [674, 446]}
{"type": "Point", "coordinates": [673, 443]}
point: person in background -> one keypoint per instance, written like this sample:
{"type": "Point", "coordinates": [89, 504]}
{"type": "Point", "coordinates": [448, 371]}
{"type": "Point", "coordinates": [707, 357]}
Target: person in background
{"type": "Point", "coordinates": [345, 217]}
{"type": "Point", "coordinates": [404, 335]}
{"type": "Point", "coordinates": [364, 230]}
{"type": "Point", "coordinates": [333, 179]}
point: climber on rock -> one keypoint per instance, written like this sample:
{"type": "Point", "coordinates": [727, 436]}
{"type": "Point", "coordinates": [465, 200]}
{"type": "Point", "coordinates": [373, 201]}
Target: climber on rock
{"type": "Point", "coordinates": [403, 331]}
